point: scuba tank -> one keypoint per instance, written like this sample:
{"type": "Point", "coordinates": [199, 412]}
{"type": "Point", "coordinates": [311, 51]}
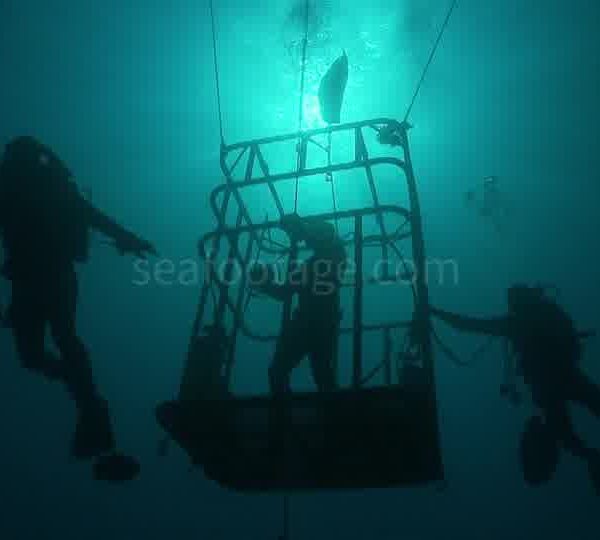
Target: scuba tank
{"type": "Point", "coordinates": [75, 231]}
{"type": "Point", "coordinates": [42, 183]}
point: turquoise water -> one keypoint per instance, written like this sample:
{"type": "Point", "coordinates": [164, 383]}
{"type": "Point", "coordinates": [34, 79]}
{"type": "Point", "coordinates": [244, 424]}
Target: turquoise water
{"type": "Point", "coordinates": [125, 93]}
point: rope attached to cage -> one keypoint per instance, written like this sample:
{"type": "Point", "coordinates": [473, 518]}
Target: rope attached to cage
{"type": "Point", "coordinates": [301, 103]}
{"type": "Point", "coordinates": [430, 60]}
{"type": "Point", "coordinates": [216, 67]}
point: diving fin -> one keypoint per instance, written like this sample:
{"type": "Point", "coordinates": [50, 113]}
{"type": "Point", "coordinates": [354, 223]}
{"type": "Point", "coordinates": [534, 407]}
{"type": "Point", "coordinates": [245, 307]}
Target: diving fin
{"type": "Point", "coordinates": [93, 434]}
{"type": "Point", "coordinates": [332, 88]}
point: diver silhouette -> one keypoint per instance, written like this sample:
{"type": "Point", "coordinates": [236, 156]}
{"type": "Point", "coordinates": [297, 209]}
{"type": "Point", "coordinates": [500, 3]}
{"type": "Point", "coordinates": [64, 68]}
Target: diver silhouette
{"type": "Point", "coordinates": [490, 202]}
{"type": "Point", "coordinates": [548, 349]}
{"type": "Point", "coordinates": [313, 329]}
{"type": "Point", "coordinates": [44, 225]}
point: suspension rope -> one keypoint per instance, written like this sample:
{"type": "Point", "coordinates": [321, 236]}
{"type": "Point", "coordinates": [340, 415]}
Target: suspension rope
{"type": "Point", "coordinates": [301, 103]}
{"type": "Point", "coordinates": [430, 60]}
{"type": "Point", "coordinates": [216, 67]}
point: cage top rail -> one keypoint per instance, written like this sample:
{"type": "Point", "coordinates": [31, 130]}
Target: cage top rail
{"type": "Point", "coordinates": [401, 127]}
{"type": "Point", "coordinates": [257, 169]}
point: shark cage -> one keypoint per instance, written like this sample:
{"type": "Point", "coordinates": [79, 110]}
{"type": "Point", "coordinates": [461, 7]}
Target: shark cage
{"type": "Point", "coordinates": [378, 429]}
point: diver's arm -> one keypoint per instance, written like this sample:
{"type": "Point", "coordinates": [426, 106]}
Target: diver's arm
{"type": "Point", "coordinates": [104, 224]}
{"type": "Point", "coordinates": [560, 423]}
{"type": "Point", "coordinates": [125, 241]}
{"type": "Point", "coordinates": [497, 326]}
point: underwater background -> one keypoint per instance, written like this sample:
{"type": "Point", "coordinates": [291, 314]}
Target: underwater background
{"type": "Point", "coordinates": [124, 92]}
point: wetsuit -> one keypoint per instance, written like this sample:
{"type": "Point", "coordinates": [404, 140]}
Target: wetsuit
{"type": "Point", "coordinates": [44, 223]}
{"type": "Point", "coordinates": [313, 328]}
{"type": "Point", "coordinates": [548, 352]}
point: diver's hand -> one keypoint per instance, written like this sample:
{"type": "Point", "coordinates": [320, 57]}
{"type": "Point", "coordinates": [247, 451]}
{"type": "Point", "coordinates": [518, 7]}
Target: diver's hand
{"type": "Point", "coordinates": [134, 245]}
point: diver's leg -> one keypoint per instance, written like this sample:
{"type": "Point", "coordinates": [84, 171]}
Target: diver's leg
{"type": "Point", "coordinates": [289, 352]}
{"type": "Point", "coordinates": [322, 360]}
{"type": "Point", "coordinates": [27, 319]}
{"type": "Point", "coordinates": [290, 349]}
{"type": "Point", "coordinates": [560, 423]}
{"type": "Point", "coordinates": [29, 342]}
{"type": "Point", "coordinates": [584, 391]}
{"type": "Point", "coordinates": [78, 371]}
{"type": "Point", "coordinates": [93, 434]}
